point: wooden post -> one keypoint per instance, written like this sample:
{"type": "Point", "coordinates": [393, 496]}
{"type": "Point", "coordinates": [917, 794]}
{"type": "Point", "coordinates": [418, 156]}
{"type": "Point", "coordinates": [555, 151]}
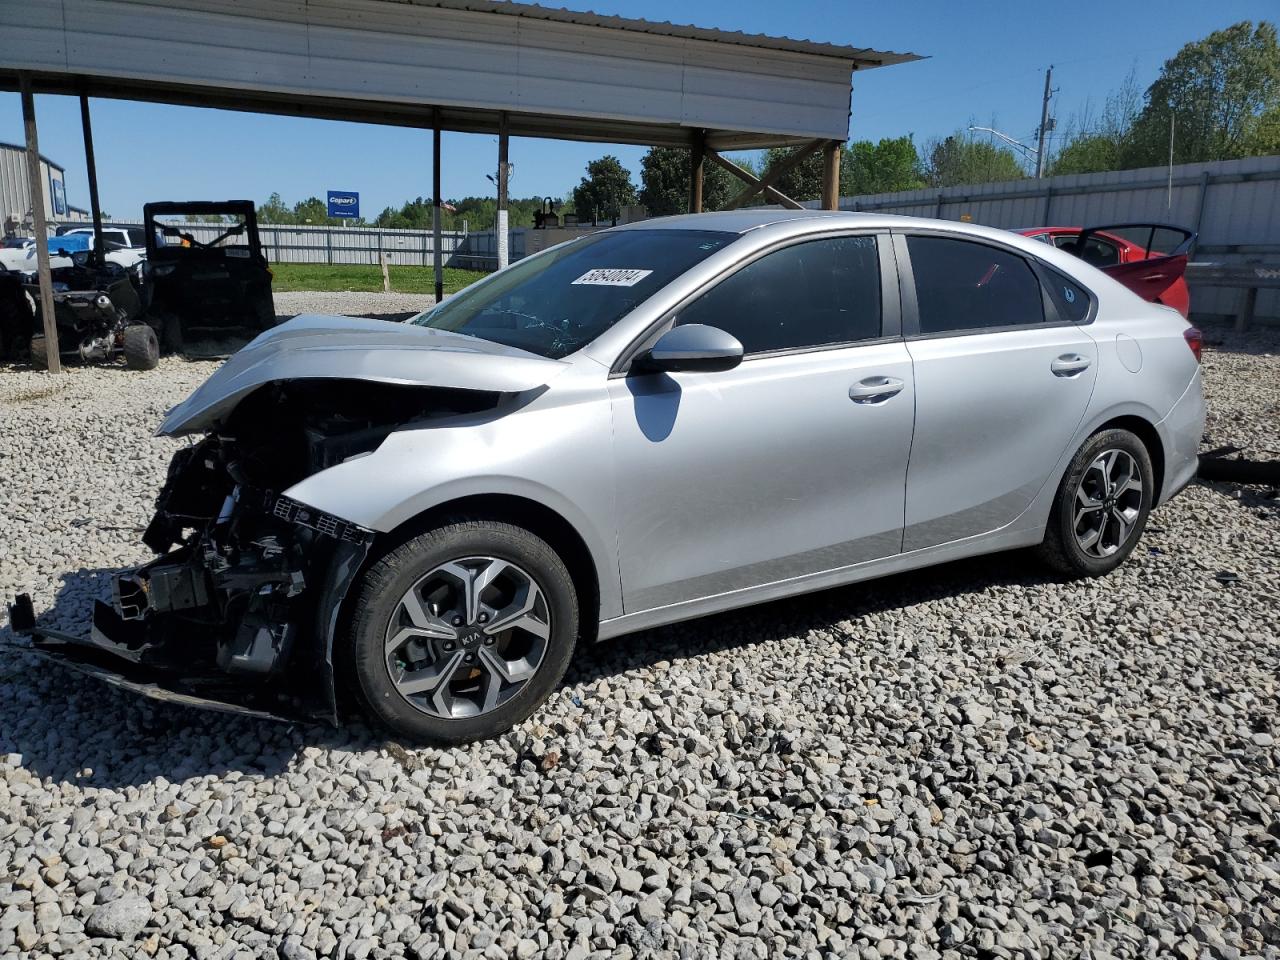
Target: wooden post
{"type": "Point", "coordinates": [91, 168]}
{"type": "Point", "coordinates": [386, 276]}
{"type": "Point", "coordinates": [437, 255]}
{"type": "Point", "coordinates": [831, 175]}
{"type": "Point", "coordinates": [697, 158]}
{"type": "Point", "coordinates": [1248, 304]}
{"type": "Point", "coordinates": [502, 227]}
{"type": "Point", "coordinates": [40, 225]}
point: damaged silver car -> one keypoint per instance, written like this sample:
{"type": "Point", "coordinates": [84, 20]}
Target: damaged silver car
{"type": "Point", "coordinates": [638, 427]}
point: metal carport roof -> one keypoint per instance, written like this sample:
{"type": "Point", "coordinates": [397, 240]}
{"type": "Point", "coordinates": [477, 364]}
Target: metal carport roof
{"type": "Point", "coordinates": [554, 73]}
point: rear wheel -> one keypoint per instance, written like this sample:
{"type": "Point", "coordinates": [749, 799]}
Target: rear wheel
{"type": "Point", "coordinates": [462, 632]}
{"type": "Point", "coordinates": [1101, 507]}
{"type": "Point", "coordinates": [141, 347]}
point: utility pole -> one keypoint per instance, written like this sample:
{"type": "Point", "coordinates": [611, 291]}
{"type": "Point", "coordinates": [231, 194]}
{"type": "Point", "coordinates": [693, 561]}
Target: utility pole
{"type": "Point", "coordinates": [504, 168]}
{"type": "Point", "coordinates": [1046, 124]}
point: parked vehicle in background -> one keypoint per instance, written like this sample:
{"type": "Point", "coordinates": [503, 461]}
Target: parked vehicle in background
{"type": "Point", "coordinates": [117, 238]}
{"type": "Point", "coordinates": [1148, 258]}
{"type": "Point", "coordinates": [643, 425]}
{"type": "Point", "coordinates": [24, 260]}
{"type": "Point", "coordinates": [210, 297]}
{"type": "Point", "coordinates": [16, 243]}
{"type": "Point", "coordinates": [99, 313]}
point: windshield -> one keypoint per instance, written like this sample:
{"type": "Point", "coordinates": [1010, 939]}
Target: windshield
{"type": "Point", "coordinates": [559, 301]}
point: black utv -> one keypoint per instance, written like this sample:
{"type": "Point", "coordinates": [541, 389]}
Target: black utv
{"type": "Point", "coordinates": [209, 297]}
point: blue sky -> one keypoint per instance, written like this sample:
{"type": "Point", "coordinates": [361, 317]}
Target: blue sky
{"type": "Point", "coordinates": [987, 62]}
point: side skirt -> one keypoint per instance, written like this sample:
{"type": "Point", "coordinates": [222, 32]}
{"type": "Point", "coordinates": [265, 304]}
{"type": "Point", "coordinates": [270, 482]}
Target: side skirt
{"type": "Point", "coordinates": [1007, 539]}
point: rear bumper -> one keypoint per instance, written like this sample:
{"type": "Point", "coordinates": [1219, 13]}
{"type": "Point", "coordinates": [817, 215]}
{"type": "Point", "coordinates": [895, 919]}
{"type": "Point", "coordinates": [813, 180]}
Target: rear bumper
{"type": "Point", "coordinates": [1181, 432]}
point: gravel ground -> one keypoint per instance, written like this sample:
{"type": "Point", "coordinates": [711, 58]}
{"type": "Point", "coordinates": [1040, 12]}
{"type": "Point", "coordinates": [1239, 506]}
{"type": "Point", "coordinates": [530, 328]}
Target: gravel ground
{"type": "Point", "coordinates": [970, 761]}
{"type": "Point", "coordinates": [389, 306]}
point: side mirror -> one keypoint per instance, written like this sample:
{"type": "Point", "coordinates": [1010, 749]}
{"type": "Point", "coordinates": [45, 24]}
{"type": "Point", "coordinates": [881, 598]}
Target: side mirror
{"type": "Point", "coordinates": [693, 347]}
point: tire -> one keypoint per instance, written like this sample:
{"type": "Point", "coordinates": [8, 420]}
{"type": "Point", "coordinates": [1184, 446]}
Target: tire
{"type": "Point", "coordinates": [39, 355]}
{"type": "Point", "coordinates": [481, 699]}
{"type": "Point", "coordinates": [141, 347]}
{"type": "Point", "coordinates": [1085, 504]}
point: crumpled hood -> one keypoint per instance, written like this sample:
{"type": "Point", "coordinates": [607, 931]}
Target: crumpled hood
{"type": "Point", "coordinates": [312, 346]}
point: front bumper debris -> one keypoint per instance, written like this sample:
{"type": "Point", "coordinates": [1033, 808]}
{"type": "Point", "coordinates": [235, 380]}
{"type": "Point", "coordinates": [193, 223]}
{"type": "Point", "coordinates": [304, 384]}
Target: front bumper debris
{"type": "Point", "coordinates": [240, 617]}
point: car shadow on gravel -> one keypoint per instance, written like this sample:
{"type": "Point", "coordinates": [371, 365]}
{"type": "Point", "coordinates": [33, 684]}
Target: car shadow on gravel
{"type": "Point", "coordinates": [801, 615]}
{"type": "Point", "coordinates": [78, 731]}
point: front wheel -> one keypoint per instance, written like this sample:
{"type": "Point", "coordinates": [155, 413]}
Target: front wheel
{"type": "Point", "coordinates": [141, 347]}
{"type": "Point", "coordinates": [462, 632]}
{"type": "Point", "coordinates": [1101, 507]}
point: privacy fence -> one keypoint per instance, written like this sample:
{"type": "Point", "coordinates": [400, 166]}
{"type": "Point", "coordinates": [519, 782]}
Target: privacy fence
{"type": "Point", "coordinates": [1234, 205]}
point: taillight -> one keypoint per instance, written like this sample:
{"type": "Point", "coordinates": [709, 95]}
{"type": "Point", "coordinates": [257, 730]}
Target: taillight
{"type": "Point", "coordinates": [1195, 340]}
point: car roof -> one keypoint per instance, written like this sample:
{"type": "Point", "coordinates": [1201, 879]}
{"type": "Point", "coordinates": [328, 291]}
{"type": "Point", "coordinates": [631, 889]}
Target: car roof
{"type": "Point", "coordinates": [799, 222]}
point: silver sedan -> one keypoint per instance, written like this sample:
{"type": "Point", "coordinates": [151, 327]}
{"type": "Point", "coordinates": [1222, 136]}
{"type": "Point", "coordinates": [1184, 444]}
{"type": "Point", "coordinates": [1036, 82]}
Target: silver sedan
{"type": "Point", "coordinates": [644, 425]}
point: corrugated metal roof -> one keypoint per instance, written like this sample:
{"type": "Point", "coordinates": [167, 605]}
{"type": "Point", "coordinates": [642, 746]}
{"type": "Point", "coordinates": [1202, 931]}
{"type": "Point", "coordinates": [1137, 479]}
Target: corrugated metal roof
{"type": "Point", "coordinates": [862, 56]}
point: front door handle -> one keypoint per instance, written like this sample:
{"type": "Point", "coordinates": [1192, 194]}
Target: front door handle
{"type": "Point", "coordinates": [1069, 365]}
{"type": "Point", "coordinates": [875, 389]}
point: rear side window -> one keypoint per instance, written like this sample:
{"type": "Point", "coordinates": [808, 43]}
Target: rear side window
{"type": "Point", "coordinates": [1097, 252]}
{"type": "Point", "coordinates": [1071, 298]}
{"type": "Point", "coordinates": [810, 294]}
{"type": "Point", "coordinates": [961, 285]}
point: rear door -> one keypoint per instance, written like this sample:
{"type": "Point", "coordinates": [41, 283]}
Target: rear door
{"type": "Point", "coordinates": [1002, 383]}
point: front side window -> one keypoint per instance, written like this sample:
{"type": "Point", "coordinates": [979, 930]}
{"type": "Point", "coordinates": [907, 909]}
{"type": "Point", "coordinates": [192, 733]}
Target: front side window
{"type": "Point", "coordinates": [810, 294]}
{"type": "Point", "coordinates": [962, 285]}
{"type": "Point", "coordinates": [557, 302]}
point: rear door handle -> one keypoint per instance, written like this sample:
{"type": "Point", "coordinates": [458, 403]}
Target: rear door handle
{"type": "Point", "coordinates": [875, 389]}
{"type": "Point", "coordinates": [1069, 365]}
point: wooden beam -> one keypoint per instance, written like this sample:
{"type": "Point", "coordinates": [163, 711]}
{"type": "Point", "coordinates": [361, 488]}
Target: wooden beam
{"type": "Point", "coordinates": [40, 226]}
{"type": "Point", "coordinates": [697, 155]}
{"type": "Point", "coordinates": [831, 175]}
{"type": "Point", "coordinates": [757, 184]}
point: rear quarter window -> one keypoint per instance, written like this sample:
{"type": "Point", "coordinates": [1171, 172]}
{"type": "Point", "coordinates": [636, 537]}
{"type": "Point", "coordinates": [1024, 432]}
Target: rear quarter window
{"type": "Point", "coordinates": [1072, 300]}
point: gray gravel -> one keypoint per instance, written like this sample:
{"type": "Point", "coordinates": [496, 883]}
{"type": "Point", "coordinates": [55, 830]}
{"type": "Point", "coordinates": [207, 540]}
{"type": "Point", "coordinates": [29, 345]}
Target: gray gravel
{"type": "Point", "coordinates": [390, 306]}
{"type": "Point", "coordinates": [970, 761]}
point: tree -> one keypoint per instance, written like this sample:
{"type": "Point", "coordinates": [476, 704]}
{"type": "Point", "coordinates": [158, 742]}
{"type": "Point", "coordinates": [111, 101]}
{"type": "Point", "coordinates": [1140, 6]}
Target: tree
{"type": "Point", "coordinates": [885, 167]}
{"type": "Point", "coordinates": [604, 191]}
{"type": "Point", "coordinates": [961, 159]}
{"type": "Point", "coordinates": [1088, 153]}
{"type": "Point", "coordinates": [274, 211]}
{"type": "Point", "coordinates": [1219, 91]}
{"type": "Point", "coordinates": [664, 175]}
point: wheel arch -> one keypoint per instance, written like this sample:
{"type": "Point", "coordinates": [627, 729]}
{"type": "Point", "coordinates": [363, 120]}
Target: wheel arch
{"type": "Point", "coordinates": [1146, 432]}
{"type": "Point", "coordinates": [538, 518]}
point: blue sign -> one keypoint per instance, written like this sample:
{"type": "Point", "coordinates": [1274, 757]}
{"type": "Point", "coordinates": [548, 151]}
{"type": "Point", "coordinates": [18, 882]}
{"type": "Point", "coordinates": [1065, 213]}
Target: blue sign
{"type": "Point", "coordinates": [59, 197]}
{"type": "Point", "coordinates": [344, 203]}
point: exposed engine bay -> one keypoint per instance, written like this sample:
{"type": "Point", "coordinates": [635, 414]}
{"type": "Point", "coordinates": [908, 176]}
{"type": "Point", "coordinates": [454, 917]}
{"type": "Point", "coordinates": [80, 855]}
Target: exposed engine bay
{"type": "Point", "coordinates": [240, 607]}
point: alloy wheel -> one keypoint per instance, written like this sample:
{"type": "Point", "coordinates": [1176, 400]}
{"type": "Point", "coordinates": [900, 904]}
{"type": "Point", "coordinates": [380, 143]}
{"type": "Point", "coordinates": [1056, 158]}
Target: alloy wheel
{"type": "Point", "coordinates": [467, 637]}
{"type": "Point", "coordinates": [1108, 503]}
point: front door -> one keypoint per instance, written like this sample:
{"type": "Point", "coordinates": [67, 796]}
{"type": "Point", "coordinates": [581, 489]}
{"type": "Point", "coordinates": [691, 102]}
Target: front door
{"type": "Point", "coordinates": [790, 464]}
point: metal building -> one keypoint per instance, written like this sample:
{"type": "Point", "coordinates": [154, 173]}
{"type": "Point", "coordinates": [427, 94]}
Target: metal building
{"type": "Point", "coordinates": [15, 194]}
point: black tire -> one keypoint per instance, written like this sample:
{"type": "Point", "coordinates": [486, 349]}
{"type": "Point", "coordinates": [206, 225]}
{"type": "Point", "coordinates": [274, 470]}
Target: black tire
{"type": "Point", "coordinates": [1062, 549]}
{"type": "Point", "coordinates": [378, 598]}
{"type": "Point", "coordinates": [141, 347]}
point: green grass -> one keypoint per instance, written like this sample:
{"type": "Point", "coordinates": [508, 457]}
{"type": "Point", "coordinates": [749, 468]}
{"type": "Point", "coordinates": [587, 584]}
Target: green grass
{"type": "Point", "coordinates": [361, 277]}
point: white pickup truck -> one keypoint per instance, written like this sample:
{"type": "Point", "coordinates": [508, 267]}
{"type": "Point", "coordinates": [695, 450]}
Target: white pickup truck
{"type": "Point", "coordinates": [126, 246]}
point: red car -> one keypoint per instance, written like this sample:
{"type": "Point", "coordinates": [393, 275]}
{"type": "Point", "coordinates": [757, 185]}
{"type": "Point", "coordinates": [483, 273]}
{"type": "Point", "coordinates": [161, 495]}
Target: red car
{"type": "Point", "coordinates": [1133, 253]}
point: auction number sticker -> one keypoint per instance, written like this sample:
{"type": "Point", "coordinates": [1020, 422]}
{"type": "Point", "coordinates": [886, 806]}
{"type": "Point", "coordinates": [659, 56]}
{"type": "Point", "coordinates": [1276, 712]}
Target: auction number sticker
{"type": "Point", "coordinates": [612, 277]}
